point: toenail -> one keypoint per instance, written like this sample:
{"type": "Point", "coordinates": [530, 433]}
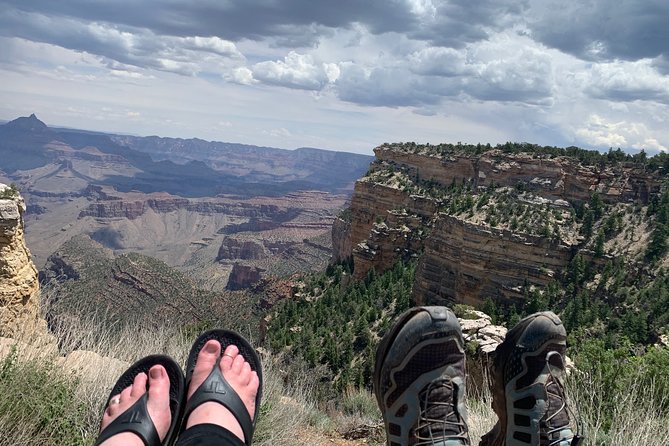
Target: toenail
{"type": "Point", "coordinates": [210, 348]}
{"type": "Point", "coordinates": [156, 373]}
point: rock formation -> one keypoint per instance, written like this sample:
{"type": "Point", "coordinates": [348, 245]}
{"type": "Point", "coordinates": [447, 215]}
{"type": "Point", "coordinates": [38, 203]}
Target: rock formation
{"type": "Point", "coordinates": [480, 333]}
{"type": "Point", "coordinates": [19, 287]}
{"type": "Point", "coordinates": [232, 249]}
{"type": "Point", "coordinates": [552, 177]}
{"type": "Point", "coordinates": [463, 262]}
{"type": "Point", "coordinates": [341, 240]}
{"type": "Point", "coordinates": [404, 207]}
{"type": "Point", "coordinates": [243, 276]}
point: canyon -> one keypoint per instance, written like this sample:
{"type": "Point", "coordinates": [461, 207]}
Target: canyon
{"type": "Point", "coordinates": [404, 208]}
{"type": "Point", "coordinates": [180, 201]}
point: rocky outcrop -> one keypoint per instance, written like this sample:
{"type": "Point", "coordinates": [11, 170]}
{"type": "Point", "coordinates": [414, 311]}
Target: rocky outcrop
{"type": "Point", "coordinates": [253, 225]}
{"type": "Point", "coordinates": [481, 340]}
{"type": "Point", "coordinates": [341, 240]}
{"type": "Point", "coordinates": [243, 276]}
{"type": "Point", "coordinates": [400, 236]}
{"type": "Point", "coordinates": [480, 333]}
{"type": "Point", "coordinates": [19, 287]}
{"type": "Point", "coordinates": [232, 249]}
{"type": "Point", "coordinates": [558, 177]}
{"type": "Point", "coordinates": [385, 225]}
{"type": "Point", "coordinates": [465, 263]}
{"type": "Point", "coordinates": [402, 209]}
{"type": "Point", "coordinates": [126, 207]}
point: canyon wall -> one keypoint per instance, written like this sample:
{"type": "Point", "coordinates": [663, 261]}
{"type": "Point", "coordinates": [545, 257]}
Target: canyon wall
{"type": "Point", "coordinates": [557, 177]}
{"type": "Point", "coordinates": [466, 263]}
{"type": "Point", "coordinates": [464, 258]}
{"type": "Point", "coordinates": [19, 286]}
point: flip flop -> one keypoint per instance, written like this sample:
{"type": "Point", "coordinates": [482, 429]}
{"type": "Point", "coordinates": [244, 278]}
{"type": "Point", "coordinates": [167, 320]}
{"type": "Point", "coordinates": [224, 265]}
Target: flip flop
{"type": "Point", "coordinates": [136, 418]}
{"type": "Point", "coordinates": [423, 346]}
{"type": "Point", "coordinates": [216, 388]}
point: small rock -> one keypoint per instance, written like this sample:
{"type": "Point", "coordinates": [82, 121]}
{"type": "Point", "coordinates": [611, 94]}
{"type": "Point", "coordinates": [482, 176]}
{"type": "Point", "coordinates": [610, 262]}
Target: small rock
{"type": "Point", "coordinates": [496, 332]}
{"type": "Point", "coordinates": [89, 365]}
{"type": "Point", "coordinates": [475, 325]}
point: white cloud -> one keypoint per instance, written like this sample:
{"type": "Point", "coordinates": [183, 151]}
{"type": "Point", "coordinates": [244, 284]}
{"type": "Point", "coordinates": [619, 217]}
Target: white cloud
{"type": "Point", "coordinates": [603, 133]}
{"type": "Point", "coordinates": [212, 44]}
{"type": "Point", "coordinates": [278, 133]}
{"type": "Point", "coordinates": [125, 46]}
{"type": "Point", "coordinates": [628, 81]}
{"type": "Point", "coordinates": [297, 71]}
{"type": "Point", "coordinates": [241, 75]}
{"type": "Point", "coordinates": [554, 72]}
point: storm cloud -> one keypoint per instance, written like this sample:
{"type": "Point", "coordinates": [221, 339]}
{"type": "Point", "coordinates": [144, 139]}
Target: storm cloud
{"type": "Point", "coordinates": [584, 71]}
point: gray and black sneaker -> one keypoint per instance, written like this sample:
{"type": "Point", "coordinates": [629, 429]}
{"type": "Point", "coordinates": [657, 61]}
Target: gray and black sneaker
{"type": "Point", "coordinates": [528, 393]}
{"type": "Point", "coordinates": [419, 379]}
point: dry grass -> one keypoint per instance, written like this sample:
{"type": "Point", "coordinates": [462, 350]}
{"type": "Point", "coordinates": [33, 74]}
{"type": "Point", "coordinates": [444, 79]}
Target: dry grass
{"type": "Point", "coordinates": [289, 407]}
{"type": "Point", "coordinates": [284, 408]}
{"type": "Point", "coordinates": [635, 419]}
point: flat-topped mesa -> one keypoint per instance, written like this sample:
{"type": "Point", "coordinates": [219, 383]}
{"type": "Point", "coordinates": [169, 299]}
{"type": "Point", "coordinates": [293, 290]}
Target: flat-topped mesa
{"type": "Point", "coordinates": [484, 223]}
{"type": "Point", "coordinates": [549, 176]}
{"type": "Point", "coordinates": [19, 285]}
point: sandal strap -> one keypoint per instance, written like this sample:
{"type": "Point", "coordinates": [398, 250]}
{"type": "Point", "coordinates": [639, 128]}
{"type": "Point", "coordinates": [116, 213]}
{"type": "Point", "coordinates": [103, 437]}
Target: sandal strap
{"type": "Point", "coordinates": [216, 388]}
{"type": "Point", "coordinates": [135, 419]}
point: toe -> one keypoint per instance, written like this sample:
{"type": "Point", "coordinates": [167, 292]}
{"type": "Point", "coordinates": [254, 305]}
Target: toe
{"type": "Point", "coordinates": [112, 407]}
{"type": "Point", "coordinates": [228, 357]}
{"type": "Point", "coordinates": [246, 373]}
{"type": "Point", "coordinates": [126, 394]}
{"type": "Point", "coordinates": [159, 388]}
{"type": "Point", "coordinates": [206, 360]}
{"type": "Point", "coordinates": [138, 386]}
{"type": "Point", "coordinates": [237, 364]}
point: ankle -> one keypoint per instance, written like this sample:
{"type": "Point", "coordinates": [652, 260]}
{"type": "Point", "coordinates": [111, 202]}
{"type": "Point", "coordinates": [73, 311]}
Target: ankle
{"type": "Point", "coordinates": [215, 413]}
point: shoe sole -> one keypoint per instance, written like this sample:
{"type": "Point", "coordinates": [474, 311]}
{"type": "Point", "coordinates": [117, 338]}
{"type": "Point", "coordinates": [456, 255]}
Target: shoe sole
{"type": "Point", "coordinates": [421, 336]}
{"type": "Point", "coordinates": [532, 336]}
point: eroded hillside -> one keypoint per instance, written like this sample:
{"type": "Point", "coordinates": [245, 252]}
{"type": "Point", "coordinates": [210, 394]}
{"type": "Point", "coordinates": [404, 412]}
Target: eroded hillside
{"type": "Point", "coordinates": [577, 230]}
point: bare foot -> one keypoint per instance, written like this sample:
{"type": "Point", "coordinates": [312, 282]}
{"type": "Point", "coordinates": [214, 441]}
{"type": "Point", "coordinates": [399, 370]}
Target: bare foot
{"type": "Point", "coordinates": [158, 406]}
{"type": "Point", "coordinates": [237, 373]}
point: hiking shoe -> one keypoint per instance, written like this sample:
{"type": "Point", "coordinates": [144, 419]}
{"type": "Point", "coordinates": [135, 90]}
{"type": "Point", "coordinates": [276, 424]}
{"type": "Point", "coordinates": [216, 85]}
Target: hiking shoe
{"type": "Point", "coordinates": [528, 394]}
{"type": "Point", "coordinates": [419, 379]}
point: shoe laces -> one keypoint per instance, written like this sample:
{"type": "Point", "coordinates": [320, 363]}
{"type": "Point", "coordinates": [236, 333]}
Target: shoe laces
{"type": "Point", "coordinates": [557, 418]}
{"type": "Point", "coordinates": [439, 418]}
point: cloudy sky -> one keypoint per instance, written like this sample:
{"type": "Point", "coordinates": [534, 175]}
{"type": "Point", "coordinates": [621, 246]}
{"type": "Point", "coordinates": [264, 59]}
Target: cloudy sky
{"type": "Point", "coordinates": [344, 74]}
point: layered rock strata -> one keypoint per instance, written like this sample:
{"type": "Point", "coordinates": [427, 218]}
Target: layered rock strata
{"type": "Point", "coordinates": [557, 177]}
{"type": "Point", "coordinates": [243, 276]}
{"type": "Point", "coordinates": [466, 258]}
{"type": "Point", "coordinates": [386, 224]}
{"type": "Point", "coordinates": [341, 240]}
{"type": "Point", "coordinates": [240, 249]}
{"type": "Point", "coordinates": [19, 286]}
{"type": "Point", "coordinates": [465, 263]}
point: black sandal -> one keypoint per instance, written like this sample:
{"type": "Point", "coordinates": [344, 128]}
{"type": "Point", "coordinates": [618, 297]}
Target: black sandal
{"type": "Point", "coordinates": [216, 388]}
{"type": "Point", "coordinates": [136, 418]}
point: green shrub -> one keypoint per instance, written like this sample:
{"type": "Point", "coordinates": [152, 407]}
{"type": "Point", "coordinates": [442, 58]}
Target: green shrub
{"type": "Point", "coordinates": [360, 402]}
{"type": "Point", "coordinates": [617, 370]}
{"type": "Point", "coordinates": [9, 192]}
{"type": "Point", "coordinates": [38, 404]}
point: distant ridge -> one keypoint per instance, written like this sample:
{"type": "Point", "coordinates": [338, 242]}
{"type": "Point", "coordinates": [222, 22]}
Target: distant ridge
{"type": "Point", "coordinates": [30, 123]}
{"type": "Point", "coordinates": [186, 167]}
